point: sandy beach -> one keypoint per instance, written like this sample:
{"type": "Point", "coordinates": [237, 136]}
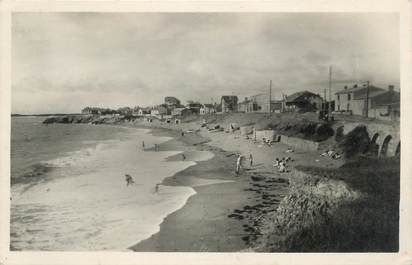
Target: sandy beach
{"type": "Point", "coordinates": [222, 217]}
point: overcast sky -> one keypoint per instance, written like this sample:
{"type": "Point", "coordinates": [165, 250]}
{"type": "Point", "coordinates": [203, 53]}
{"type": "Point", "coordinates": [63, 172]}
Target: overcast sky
{"type": "Point", "coordinates": [62, 62]}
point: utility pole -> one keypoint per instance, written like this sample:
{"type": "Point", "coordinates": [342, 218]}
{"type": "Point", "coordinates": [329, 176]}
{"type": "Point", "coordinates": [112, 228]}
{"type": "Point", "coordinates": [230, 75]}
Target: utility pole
{"type": "Point", "coordinates": [324, 99]}
{"type": "Point", "coordinates": [367, 100]}
{"type": "Point", "coordinates": [270, 97]}
{"type": "Point", "coordinates": [330, 92]}
{"type": "Point", "coordinates": [282, 107]}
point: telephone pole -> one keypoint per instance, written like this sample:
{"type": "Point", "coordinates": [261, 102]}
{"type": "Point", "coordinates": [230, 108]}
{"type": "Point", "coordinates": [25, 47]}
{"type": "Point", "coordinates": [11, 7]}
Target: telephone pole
{"type": "Point", "coordinates": [324, 99]}
{"type": "Point", "coordinates": [270, 97]}
{"type": "Point", "coordinates": [367, 100]}
{"type": "Point", "coordinates": [330, 92]}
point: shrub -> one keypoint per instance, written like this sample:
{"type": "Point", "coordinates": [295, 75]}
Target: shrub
{"type": "Point", "coordinates": [355, 142]}
{"type": "Point", "coordinates": [339, 134]}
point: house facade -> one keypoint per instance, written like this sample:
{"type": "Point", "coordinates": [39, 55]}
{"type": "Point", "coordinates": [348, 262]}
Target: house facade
{"type": "Point", "coordinates": [229, 103]}
{"type": "Point", "coordinates": [259, 103]}
{"type": "Point", "coordinates": [247, 105]}
{"type": "Point", "coordinates": [303, 101]}
{"type": "Point", "coordinates": [385, 105]}
{"type": "Point", "coordinates": [353, 99]}
{"type": "Point", "coordinates": [143, 111]}
{"type": "Point", "coordinates": [207, 109]}
{"type": "Point", "coordinates": [194, 107]}
{"type": "Point", "coordinates": [377, 103]}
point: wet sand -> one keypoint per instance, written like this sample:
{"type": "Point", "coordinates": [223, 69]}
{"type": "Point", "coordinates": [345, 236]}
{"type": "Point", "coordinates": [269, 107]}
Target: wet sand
{"type": "Point", "coordinates": [222, 217]}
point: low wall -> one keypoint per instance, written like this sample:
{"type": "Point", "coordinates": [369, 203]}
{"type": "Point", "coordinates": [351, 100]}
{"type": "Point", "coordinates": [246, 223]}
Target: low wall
{"type": "Point", "coordinates": [267, 134]}
{"type": "Point", "coordinates": [245, 130]}
{"type": "Point", "coordinates": [300, 144]}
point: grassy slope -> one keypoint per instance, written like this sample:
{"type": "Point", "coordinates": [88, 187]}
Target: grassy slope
{"type": "Point", "coordinates": [306, 126]}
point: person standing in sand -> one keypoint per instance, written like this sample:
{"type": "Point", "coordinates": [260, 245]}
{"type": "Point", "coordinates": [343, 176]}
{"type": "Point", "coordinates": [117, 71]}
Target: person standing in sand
{"type": "Point", "coordinates": [238, 164]}
{"type": "Point", "coordinates": [143, 145]}
{"type": "Point", "coordinates": [157, 187]}
{"type": "Point", "coordinates": [251, 159]}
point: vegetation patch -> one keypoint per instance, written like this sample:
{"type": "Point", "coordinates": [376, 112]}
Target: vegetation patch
{"type": "Point", "coordinates": [355, 142]}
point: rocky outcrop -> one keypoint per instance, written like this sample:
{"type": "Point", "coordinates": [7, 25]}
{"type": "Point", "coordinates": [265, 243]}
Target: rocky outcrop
{"type": "Point", "coordinates": [89, 119]}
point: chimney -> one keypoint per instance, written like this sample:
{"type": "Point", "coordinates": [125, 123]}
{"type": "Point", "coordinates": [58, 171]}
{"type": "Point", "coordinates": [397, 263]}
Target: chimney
{"type": "Point", "coordinates": [391, 88]}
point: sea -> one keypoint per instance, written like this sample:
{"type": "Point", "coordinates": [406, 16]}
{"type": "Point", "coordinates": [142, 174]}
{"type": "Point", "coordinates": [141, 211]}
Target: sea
{"type": "Point", "coordinates": [68, 187]}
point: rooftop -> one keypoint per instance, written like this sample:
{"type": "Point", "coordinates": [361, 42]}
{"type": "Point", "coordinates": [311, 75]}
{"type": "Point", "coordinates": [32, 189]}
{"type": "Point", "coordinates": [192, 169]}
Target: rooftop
{"type": "Point", "coordinates": [358, 88]}
{"type": "Point", "coordinates": [296, 95]}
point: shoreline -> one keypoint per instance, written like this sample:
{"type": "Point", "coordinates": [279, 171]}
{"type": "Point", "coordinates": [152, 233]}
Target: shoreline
{"type": "Point", "coordinates": [263, 210]}
{"type": "Point", "coordinates": [229, 212]}
{"type": "Point", "coordinates": [197, 229]}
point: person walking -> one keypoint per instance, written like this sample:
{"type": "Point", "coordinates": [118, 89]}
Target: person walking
{"type": "Point", "coordinates": [251, 159]}
{"type": "Point", "coordinates": [129, 180]}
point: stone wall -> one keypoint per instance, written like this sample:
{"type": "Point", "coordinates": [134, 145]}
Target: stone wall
{"type": "Point", "coordinates": [298, 143]}
{"type": "Point", "coordinates": [381, 134]}
{"type": "Point", "coordinates": [267, 134]}
{"type": "Point", "coordinates": [245, 130]}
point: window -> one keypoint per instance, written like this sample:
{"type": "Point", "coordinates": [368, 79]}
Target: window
{"type": "Point", "coordinates": [348, 96]}
{"type": "Point", "coordinates": [338, 107]}
{"type": "Point", "coordinates": [347, 107]}
{"type": "Point", "coordinates": [338, 97]}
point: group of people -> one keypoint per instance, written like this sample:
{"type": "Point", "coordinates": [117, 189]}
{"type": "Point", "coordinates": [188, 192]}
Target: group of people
{"type": "Point", "coordinates": [156, 147]}
{"type": "Point", "coordinates": [239, 162]}
{"type": "Point", "coordinates": [332, 154]}
{"type": "Point", "coordinates": [281, 164]}
{"type": "Point", "coordinates": [130, 181]}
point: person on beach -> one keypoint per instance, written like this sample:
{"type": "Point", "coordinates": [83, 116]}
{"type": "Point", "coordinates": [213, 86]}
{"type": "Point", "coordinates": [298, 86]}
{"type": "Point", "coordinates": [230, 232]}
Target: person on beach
{"type": "Point", "coordinates": [183, 157]}
{"type": "Point", "coordinates": [276, 162]}
{"type": "Point", "coordinates": [129, 180]}
{"type": "Point", "coordinates": [238, 164]}
{"type": "Point", "coordinates": [157, 187]}
{"type": "Point", "coordinates": [282, 167]}
{"type": "Point", "coordinates": [251, 159]}
{"type": "Point", "coordinates": [156, 148]}
{"type": "Point", "coordinates": [143, 145]}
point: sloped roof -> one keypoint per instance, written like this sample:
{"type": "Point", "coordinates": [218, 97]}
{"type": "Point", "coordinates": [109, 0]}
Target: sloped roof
{"type": "Point", "coordinates": [208, 105]}
{"type": "Point", "coordinates": [295, 96]}
{"type": "Point", "coordinates": [359, 88]}
{"type": "Point", "coordinates": [372, 94]}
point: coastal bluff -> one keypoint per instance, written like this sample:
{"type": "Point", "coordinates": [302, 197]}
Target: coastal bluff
{"type": "Point", "coordinates": [81, 118]}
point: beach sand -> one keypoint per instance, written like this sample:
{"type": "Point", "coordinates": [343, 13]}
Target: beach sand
{"type": "Point", "coordinates": [222, 217]}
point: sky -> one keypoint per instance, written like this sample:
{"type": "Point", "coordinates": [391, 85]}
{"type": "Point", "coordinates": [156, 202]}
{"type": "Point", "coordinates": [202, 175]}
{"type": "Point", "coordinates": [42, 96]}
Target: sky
{"type": "Point", "coordinates": [63, 62]}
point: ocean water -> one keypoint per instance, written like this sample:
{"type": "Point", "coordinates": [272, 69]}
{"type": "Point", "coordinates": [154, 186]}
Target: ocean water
{"type": "Point", "coordinates": [69, 191]}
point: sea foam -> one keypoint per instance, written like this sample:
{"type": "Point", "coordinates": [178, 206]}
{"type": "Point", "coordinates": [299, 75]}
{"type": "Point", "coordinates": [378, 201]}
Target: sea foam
{"type": "Point", "coordinates": [88, 206]}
